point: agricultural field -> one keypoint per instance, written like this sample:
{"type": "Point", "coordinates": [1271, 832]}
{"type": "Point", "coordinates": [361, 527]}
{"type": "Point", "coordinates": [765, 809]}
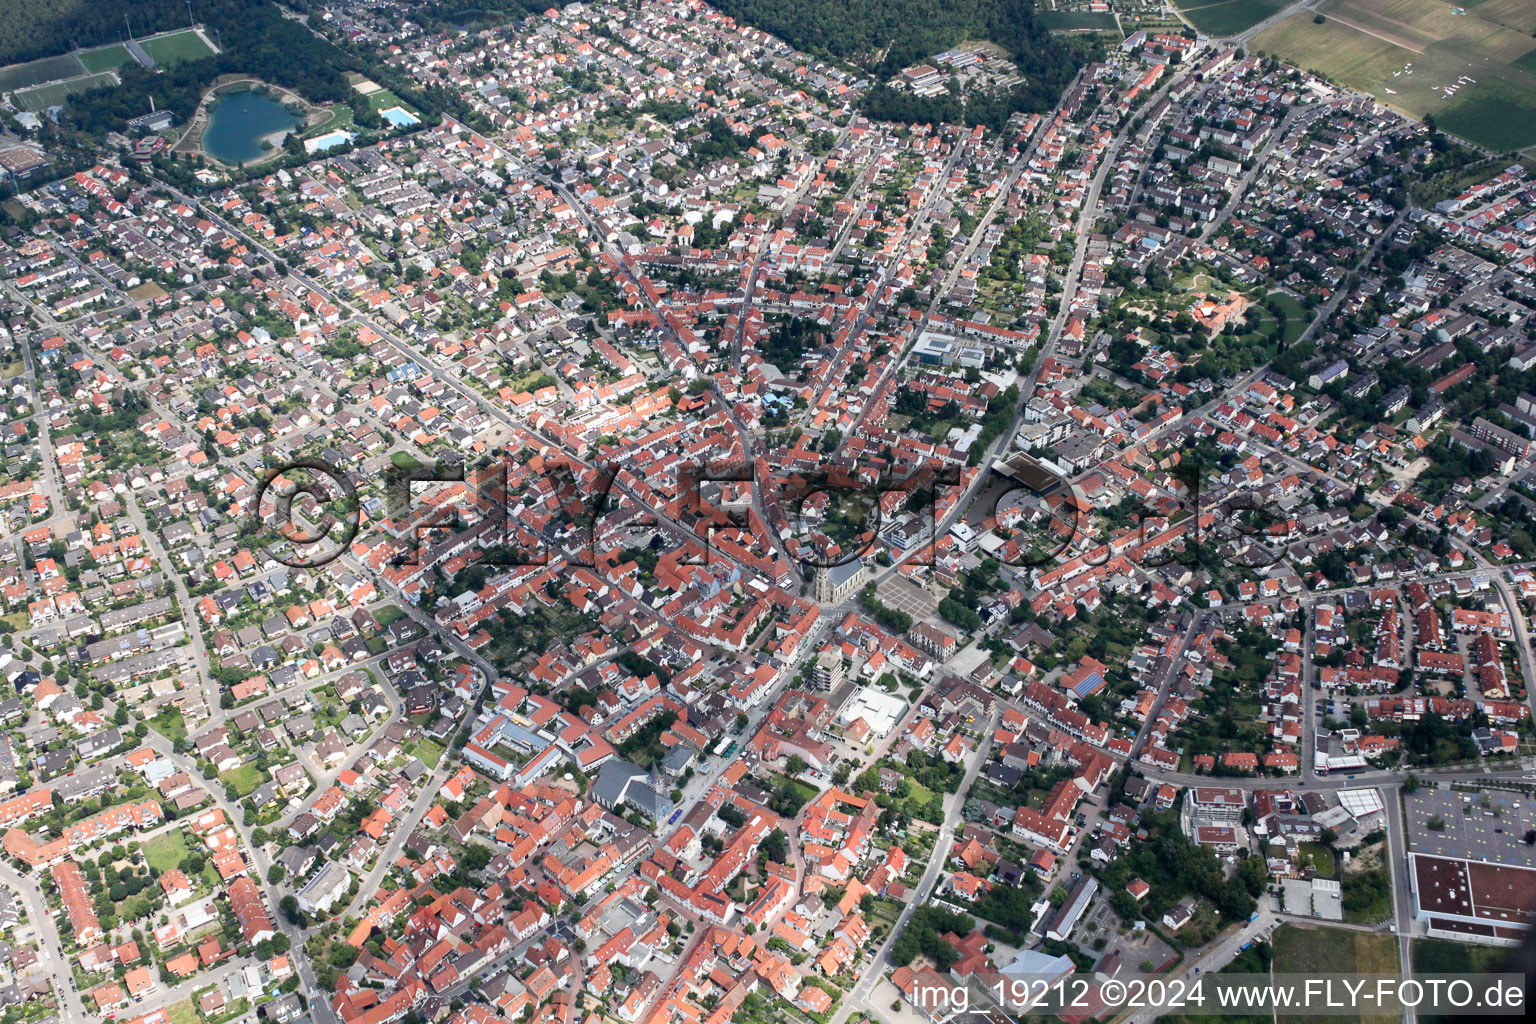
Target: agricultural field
{"type": "Point", "coordinates": [44, 96]}
{"type": "Point", "coordinates": [1228, 17]}
{"type": "Point", "coordinates": [1308, 949]}
{"type": "Point", "coordinates": [1474, 71]}
{"type": "Point", "coordinates": [174, 47]}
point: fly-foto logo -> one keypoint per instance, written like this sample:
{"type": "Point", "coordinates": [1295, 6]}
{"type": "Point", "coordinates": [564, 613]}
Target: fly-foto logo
{"type": "Point", "coordinates": [308, 512]}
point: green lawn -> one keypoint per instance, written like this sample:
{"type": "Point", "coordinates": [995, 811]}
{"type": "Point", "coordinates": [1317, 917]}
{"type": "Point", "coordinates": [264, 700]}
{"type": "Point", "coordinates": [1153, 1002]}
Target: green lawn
{"type": "Point", "coordinates": [384, 99]}
{"type": "Point", "coordinates": [169, 724]}
{"type": "Point", "coordinates": [1296, 317]}
{"type": "Point", "coordinates": [1322, 858]}
{"type": "Point", "coordinates": [429, 752]}
{"type": "Point", "coordinates": [244, 779]}
{"type": "Point", "coordinates": [166, 851]}
{"type": "Point", "coordinates": [341, 119]}
{"type": "Point", "coordinates": [388, 615]}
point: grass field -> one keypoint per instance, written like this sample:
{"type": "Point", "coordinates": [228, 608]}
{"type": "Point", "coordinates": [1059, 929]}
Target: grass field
{"type": "Point", "coordinates": [1322, 858]}
{"type": "Point", "coordinates": [105, 58]}
{"type": "Point", "coordinates": [175, 47]}
{"type": "Point", "coordinates": [1493, 114]}
{"type": "Point", "coordinates": [1474, 71]}
{"type": "Point", "coordinates": [1296, 316]}
{"type": "Point", "coordinates": [36, 72]}
{"type": "Point", "coordinates": [341, 119]}
{"type": "Point", "coordinates": [384, 99]}
{"type": "Point", "coordinates": [429, 752]}
{"type": "Point", "coordinates": [182, 1012]}
{"type": "Point", "coordinates": [169, 724]}
{"type": "Point", "coordinates": [1441, 956]}
{"type": "Point", "coordinates": [147, 290]}
{"type": "Point", "coordinates": [244, 779]}
{"type": "Point", "coordinates": [1078, 21]}
{"type": "Point", "coordinates": [165, 851]}
{"type": "Point", "coordinates": [44, 96]}
{"type": "Point", "coordinates": [1304, 949]}
{"type": "Point", "coordinates": [388, 616]}
{"type": "Point", "coordinates": [1228, 17]}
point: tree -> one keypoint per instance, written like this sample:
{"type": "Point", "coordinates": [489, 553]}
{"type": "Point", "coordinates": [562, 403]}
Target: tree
{"type": "Point", "coordinates": [1253, 874]}
{"type": "Point", "coordinates": [794, 765]}
{"type": "Point", "coordinates": [475, 857]}
{"type": "Point", "coordinates": [776, 846]}
{"type": "Point", "coordinates": [275, 874]}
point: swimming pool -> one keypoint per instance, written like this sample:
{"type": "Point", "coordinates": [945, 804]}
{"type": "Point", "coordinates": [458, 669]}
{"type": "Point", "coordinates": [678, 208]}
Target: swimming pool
{"type": "Point", "coordinates": [330, 140]}
{"type": "Point", "coordinates": [399, 117]}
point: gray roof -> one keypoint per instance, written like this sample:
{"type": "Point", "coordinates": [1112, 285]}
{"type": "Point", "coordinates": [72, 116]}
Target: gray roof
{"type": "Point", "coordinates": [837, 575]}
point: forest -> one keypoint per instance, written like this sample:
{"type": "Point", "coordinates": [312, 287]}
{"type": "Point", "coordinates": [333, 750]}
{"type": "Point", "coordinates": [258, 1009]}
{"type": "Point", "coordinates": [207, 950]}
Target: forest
{"type": "Point", "coordinates": [46, 28]}
{"type": "Point", "coordinates": [884, 36]}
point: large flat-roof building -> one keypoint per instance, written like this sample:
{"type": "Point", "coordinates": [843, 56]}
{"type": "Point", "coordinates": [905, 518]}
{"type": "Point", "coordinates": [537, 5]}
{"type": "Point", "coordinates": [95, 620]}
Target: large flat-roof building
{"type": "Point", "coordinates": [1470, 874]}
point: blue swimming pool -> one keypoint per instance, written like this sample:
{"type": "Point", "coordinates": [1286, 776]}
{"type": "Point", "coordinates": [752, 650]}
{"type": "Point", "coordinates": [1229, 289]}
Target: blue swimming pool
{"type": "Point", "coordinates": [330, 140]}
{"type": "Point", "coordinates": [399, 117]}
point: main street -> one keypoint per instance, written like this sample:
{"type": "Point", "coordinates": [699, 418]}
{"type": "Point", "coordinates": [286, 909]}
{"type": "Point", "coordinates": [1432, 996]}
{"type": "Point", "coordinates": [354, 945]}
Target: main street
{"type": "Point", "coordinates": [858, 996]}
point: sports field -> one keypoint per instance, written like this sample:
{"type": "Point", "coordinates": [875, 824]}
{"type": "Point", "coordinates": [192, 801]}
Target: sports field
{"type": "Point", "coordinates": [1471, 67]}
{"type": "Point", "coordinates": [36, 72]}
{"type": "Point", "coordinates": [174, 47]}
{"type": "Point", "coordinates": [105, 58]}
{"type": "Point", "coordinates": [1228, 17]}
{"type": "Point", "coordinates": [53, 95]}
{"type": "Point", "coordinates": [1078, 21]}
